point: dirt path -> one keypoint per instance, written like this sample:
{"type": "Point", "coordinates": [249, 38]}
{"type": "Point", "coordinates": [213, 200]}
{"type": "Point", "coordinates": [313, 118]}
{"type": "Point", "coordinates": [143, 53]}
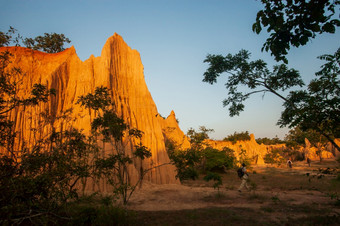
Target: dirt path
{"type": "Point", "coordinates": [198, 194]}
{"type": "Point", "coordinates": [178, 197]}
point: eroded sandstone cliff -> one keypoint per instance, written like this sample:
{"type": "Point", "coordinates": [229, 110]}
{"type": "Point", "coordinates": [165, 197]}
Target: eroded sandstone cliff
{"type": "Point", "coordinates": [119, 68]}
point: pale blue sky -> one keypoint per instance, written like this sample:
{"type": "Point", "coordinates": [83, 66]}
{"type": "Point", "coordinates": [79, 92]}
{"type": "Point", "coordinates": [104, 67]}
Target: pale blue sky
{"type": "Point", "coordinates": [173, 38]}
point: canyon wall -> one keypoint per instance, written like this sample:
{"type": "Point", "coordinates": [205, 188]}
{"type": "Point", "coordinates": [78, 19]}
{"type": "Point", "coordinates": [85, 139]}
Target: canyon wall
{"type": "Point", "coordinates": [119, 68]}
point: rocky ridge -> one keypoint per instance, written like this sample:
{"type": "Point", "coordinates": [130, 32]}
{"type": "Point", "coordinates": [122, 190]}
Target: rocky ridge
{"type": "Point", "coordinates": [119, 68]}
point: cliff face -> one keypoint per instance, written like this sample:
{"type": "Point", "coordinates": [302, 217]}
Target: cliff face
{"type": "Point", "coordinates": [119, 68]}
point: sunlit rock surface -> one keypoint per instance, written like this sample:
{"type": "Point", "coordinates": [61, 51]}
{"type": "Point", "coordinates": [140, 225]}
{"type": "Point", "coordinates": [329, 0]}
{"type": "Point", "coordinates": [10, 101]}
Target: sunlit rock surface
{"type": "Point", "coordinates": [253, 150]}
{"type": "Point", "coordinates": [119, 68]}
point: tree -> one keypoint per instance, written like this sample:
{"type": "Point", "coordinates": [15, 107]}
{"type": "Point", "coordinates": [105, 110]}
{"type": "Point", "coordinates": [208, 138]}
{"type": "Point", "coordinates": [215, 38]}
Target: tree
{"type": "Point", "coordinates": [114, 167]}
{"type": "Point", "coordinates": [8, 37]}
{"type": "Point", "coordinates": [49, 43]}
{"type": "Point", "coordinates": [269, 141]}
{"type": "Point", "coordinates": [294, 23]}
{"type": "Point", "coordinates": [253, 74]}
{"type": "Point", "coordinates": [237, 136]}
{"type": "Point", "coordinates": [10, 82]}
{"type": "Point", "coordinates": [317, 108]}
{"type": "Point", "coordinates": [197, 138]}
{"type": "Point", "coordinates": [36, 180]}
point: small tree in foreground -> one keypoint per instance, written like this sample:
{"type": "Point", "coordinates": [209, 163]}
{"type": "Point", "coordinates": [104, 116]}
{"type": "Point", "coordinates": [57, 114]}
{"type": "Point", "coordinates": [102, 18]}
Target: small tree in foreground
{"type": "Point", "coordinates": [126, 145]}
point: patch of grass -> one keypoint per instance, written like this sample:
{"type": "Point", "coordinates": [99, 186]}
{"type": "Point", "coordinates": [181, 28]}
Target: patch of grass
{"type": "Point", "coordinates": [275, 199]}
{"type": "Point", "coordinates": [98, 210]}
{"type": "Point", "coordinates": [256, 196]}
{"type": "Point", "coordinates": [253, 186]}
{"type": "Point", "coordinates": [267, 209]}
{"type": "Point", "coordinates": [229, 187]}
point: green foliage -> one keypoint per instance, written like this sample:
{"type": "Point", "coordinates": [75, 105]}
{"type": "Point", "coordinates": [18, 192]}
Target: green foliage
{"type": "Point", "coordinates": [215, 177]}
{"type": "Point", "coordinates": [294, 23]}
{"type": "Point", "coordinates": [41, 181]}
{"type": "Point", "coordinates": [275, 199]}
{"type": "Point", "coordinates": [199, 158]}
{"type": "Point", "coordinates": [10, 82]}
{"type": "Point", "coordinates": [100, 99]}
{"type": "Point", "coordinates": [252, 74]}
{"type": "Point", "coordinates": [269, 141]}
{"type": "Point", "coordinates": [8, 37]}
{"type": "Point", "coordinates": [241, 136]}
{"type": "Point", "coordinates": [218, 161]}
{"type": "Point", "coordinates": [274, 156]}
{"type": "Point", "coordinates": [49, 43]}
{"type": "Point", "coordinates": [197, 138]}
{"type": "Point", "coordinates": [317, 107]}
{"type": "Point", "coordinates": [186, 162]}
{"type": "Point", "coordinates": [110, 126]}
{"type": "Point", "coordinates": [243, 158]}
{"type": "Point", "coordinates": [114, 167]}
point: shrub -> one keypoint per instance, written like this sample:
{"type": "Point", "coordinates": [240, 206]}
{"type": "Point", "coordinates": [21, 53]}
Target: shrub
{"type": "Point", "coordinates": [274, 157]}
{"type": "Point", "coordinates": [237, 137]}
{"type": "Point", "coordinates": [186, 162]}
{"type": "Point", "coordinates": [269, 141]}
{"type": "Point", "coordinates": [215, 160]}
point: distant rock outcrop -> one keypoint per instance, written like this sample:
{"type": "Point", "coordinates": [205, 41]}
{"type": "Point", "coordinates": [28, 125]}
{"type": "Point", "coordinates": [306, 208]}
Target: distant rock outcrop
{"type": "Point", "coordinates": [253, 150]}
{"type": "Point", "coordinates": [119, 68]}
{"type": "Point", "coordinates": [173, 133]}
{"type": "Point", "coordinates": [325, 152]}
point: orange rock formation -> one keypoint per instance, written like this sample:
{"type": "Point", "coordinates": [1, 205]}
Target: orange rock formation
{"type": "Point", "coordinates": [119, 68]}
{"type": "Point", "coordinates": [251, 147]}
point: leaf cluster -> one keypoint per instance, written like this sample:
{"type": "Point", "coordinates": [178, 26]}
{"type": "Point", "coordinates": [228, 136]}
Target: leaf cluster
{"type": "Point", "coordinates": [40, 181]}
{"type": "Point", "coordinates": [49, 43]}
{"type": "Point", "coordinates": [294, 23]}
{"type": "Point", "coordinates": [113, 129]}
{"type": "Point", "coordinates": [197, 137]}
{"type": "Point", "coordinates": [317, 108]}
{"type": "Point", "coordinates": [237, 136]}
{"type": "Point", "coordinates": [253, 75]}
{"type": "Point", "coordinates": [269, 141]}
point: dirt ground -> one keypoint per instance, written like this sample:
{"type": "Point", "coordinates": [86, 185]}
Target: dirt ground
{"type": "Point", "coordinates": [277, 194]}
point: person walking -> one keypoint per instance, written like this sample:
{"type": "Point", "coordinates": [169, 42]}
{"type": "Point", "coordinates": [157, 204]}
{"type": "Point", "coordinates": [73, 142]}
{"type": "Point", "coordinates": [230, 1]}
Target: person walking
{"type": "Point", "coordinates": [290, 163]}
{"type": "Point", "coordinates": [243, 175]}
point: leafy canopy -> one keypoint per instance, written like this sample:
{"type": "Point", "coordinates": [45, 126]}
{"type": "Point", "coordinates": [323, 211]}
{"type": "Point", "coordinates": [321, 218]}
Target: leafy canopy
{"type": "Point", "coordinates": [294, 23]}
{"type": "Point", "coordinates": [49, 43]}
{"type": "Point", "coordinates": [318, 107]}
{"type": "Point", "coordinates": [254, 75]}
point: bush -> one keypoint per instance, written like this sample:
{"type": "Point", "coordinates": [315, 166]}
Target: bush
{"type": "Point", "coordinates": [186, 162]}
{"type": "Point", "coordinates": [274, 157]}
{"type": "Point", "coordinates": [237, 137]}
{"type": "Point", "coordinates": [215, 160]}
{"type": "Point", "coordinates": [269, 141]}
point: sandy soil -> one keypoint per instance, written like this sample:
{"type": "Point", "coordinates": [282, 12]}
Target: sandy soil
{"type": "Point", "coordinates": [200, 195]}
